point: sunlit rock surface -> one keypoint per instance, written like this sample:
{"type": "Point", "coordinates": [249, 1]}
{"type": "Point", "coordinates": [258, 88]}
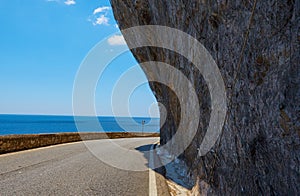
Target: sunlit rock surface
{"type": "Point", "coordinates": [256, 47]}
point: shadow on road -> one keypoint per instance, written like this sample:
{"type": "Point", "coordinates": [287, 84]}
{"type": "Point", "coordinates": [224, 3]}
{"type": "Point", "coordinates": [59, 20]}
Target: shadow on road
{"type": "Point", "coordinates": [145, 149]}
{"type": "Point", "coordinates": [172, 167]}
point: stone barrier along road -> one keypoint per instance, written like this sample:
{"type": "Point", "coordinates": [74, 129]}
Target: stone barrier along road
{"type": "Point", "coordinates": [12, 143]}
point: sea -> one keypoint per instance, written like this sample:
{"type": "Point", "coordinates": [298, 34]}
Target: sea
{"type": "Point", "coordinates": [44, 124]}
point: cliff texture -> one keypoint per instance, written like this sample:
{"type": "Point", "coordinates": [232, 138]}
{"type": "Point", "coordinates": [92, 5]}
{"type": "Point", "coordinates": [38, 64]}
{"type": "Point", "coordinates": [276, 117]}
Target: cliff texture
{"type": "Point", "coordinates": [256, 47]}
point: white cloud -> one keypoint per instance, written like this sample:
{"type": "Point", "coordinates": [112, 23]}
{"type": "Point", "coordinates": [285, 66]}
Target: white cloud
{"type": "Point", "coordinates": [101, 9]}
{"type": "Point", "coordinates": [70, 2]}
{"type": "Point", "coordinates": [102, 20]}
{"type": "Point", "coordinates": [99, 16]}
{"type": "Point", "coordinates": [116, 40]}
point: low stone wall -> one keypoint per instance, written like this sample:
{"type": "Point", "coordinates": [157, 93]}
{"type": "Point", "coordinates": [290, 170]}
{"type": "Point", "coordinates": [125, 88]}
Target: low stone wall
{"type": "Point", "coordinates": [12, 143]}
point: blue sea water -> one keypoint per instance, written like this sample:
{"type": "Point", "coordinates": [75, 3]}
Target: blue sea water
{"type": "Point", "coordinates": [40, 124]}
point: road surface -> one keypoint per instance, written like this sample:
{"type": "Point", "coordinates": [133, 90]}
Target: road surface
{"type": "Point", "coordinates": [75, 169]}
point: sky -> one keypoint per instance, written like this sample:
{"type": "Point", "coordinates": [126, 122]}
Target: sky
{"type": "Point", "coordinates": [44, 42]}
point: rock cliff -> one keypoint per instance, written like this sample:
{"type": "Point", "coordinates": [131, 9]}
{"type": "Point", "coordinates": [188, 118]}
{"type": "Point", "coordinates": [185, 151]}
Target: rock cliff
{"type": "Point", "coordinates": [256, 45]}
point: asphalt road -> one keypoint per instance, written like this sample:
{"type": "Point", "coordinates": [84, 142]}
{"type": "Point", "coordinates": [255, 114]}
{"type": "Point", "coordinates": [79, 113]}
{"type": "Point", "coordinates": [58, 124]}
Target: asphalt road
{"type": "Point", "coordinates": [76, 169]}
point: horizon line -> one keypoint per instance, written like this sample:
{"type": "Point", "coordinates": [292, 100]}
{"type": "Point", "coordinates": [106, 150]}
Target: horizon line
{"type": "Point", "coordinates": [70, 115]}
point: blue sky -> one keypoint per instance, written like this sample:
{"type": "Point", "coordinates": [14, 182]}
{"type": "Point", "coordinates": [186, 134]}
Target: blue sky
{"type": "Point", "coordinates": [43, 43]}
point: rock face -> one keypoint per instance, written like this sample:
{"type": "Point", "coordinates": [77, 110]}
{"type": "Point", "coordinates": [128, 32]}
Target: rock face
{"type": "Point", "coordinates": [256, 45]}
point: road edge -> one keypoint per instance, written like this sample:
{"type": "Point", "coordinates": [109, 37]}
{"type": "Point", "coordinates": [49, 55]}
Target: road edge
{"type": "Point", "coordinates": [160, 188]}
{"type": "Point", "coordinates": [152, 177]}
